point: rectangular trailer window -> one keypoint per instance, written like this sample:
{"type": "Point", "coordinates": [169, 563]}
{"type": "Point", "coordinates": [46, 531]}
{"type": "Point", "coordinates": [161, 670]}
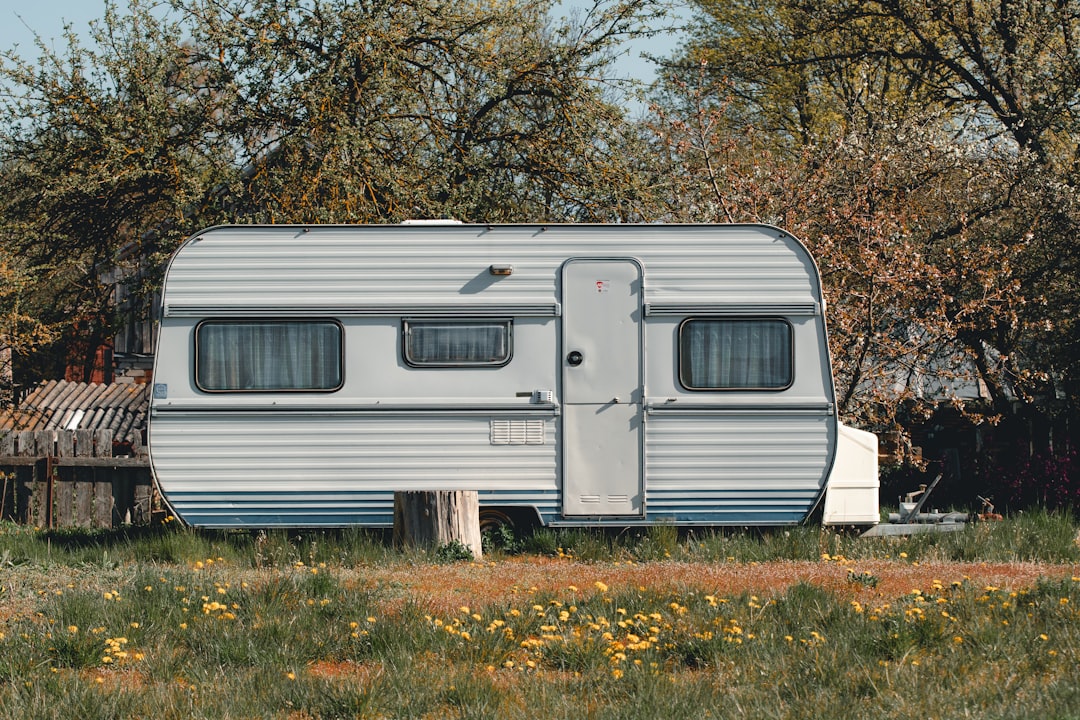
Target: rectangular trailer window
{"type": "Point", "coordinates": [456, 343]}
{"type": "Point", "coordinates": [268, 356]}
{"type": "Point", "coordinates": [735, 354]}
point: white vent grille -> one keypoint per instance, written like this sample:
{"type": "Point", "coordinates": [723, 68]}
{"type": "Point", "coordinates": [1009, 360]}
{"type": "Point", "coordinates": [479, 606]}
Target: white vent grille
{"type": "Point", "coordinates": [517, 432]}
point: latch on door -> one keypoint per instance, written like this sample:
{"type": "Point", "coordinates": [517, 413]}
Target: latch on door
{"type": "Point", "coordinates": [574, 358]}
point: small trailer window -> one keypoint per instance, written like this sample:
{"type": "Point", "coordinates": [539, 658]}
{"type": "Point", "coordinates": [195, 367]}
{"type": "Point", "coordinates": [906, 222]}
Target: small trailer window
{"type": "Point", "coordinates": [454, 343]}
{"type": "Point", "coordinates": [735, 354]}
{"type": "Point", "coordinates": [268, 356]}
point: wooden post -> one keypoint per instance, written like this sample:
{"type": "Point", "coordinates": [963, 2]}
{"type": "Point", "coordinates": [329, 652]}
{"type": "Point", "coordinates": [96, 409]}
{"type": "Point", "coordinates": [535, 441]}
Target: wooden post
{"type": "Point", "coordinates": [432, 519]}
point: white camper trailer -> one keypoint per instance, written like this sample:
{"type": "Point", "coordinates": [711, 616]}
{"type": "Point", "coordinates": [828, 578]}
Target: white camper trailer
{"type": "Point", "coordinates": [570, 374]}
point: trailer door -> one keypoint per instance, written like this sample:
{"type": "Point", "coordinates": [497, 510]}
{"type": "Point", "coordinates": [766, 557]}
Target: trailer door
{"type": "Point", "coordinates": [602, 371]}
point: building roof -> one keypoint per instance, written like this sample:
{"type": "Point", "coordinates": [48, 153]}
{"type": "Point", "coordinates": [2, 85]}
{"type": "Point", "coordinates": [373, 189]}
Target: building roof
{"type": "Point", "coordinates": [65, 405]}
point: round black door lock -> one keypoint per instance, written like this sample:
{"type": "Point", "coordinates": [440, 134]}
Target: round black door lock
{"type": "Point", "coordinates": [574, 358]}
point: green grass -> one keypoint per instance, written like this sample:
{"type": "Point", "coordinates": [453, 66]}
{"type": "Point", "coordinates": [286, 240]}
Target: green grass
{"type": "Point", "coordinates": [174, 623]}
{"type": "Point", "coordinates": [1036, 536]}
{"type": "Point", "coordinates": [1033, 536]}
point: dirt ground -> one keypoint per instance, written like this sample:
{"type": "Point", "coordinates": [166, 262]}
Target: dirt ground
{"type": "Point", "coordinates": [445, 588]}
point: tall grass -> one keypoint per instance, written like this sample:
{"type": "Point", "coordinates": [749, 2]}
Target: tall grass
{"type": "Point", "coordinates": [175, 623]}
{"type": "Point", "coordinates": [1035, 536]}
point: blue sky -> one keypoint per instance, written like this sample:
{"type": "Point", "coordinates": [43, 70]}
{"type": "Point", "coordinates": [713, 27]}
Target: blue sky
{"type": "Point", "coordinates": [20, 20]}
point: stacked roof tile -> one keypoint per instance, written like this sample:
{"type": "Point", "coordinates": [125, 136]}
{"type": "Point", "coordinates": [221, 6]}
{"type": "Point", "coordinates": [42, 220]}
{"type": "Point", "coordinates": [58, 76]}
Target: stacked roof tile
{"type": "Point", "coordinates": [64, 405]}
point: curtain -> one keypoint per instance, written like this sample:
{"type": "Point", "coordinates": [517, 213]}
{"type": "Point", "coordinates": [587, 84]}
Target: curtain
{"type": "Point", "coordinates": [733, 354]}
{"type": "Point", "coordinates": [442, 343]}
{"type": "Point", "coordinates": [268, 355]}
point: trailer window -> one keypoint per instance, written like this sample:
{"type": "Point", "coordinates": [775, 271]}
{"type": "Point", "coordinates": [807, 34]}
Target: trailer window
{"type": "Point", "coordinates": [268, 356]}
{"type": "Point", "coordinates": [735, 354]}
{"type": "Point", "coordinates": [454, 343]}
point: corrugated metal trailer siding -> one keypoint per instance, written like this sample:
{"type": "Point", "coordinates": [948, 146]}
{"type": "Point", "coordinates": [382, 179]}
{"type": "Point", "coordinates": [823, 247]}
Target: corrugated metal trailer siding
{"type": "Point", "coordinates": [735, 468]}
{"type": "Point", "coordinates": [420, 266]}
{"type": "Point", "coordinates": [307, 470]}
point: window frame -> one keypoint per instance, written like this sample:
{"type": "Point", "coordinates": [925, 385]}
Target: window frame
{"type": "Point", "coordinates": [679, 349]}
{"type": "Point", "coordinates": [269, 321]}
{"type": "Point", "coordinates": [408, 323]}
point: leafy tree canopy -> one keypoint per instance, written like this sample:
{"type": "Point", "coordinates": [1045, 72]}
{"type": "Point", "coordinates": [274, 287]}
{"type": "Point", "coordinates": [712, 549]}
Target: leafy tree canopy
{"type": "Point", "coordinates": [925, 151]}
{"type": "Point", "coordinates": [207, 111]}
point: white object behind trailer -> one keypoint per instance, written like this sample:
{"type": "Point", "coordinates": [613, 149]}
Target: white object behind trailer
{"type": "Point", "coordinates": [578, 374]}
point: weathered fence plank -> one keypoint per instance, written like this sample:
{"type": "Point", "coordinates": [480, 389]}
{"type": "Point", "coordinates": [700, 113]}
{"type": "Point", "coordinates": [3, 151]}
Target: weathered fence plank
{"type": "Point", "coordinates": [26, 446]}
{"type": "Point", "coordinates": [64, 497]}
{"type": "Point", "coordinates": [61, 478]}
{"type": "Point", "coordinates": [84, 497]}
{"type": "Point", "coordinates": [103, 440]}
{"type": "Point", "coordinates": [103, 503]}
{"type": "Point", "coordinates": [103, 490]}
{"type": "Point", "coordinates": [44, 441]}
{"type": "Point", "coordinates": [142, 510]}
{"type": "Point", "coordinates": [65, 444]}
{"type": "Point", "coordinates": [40, 495]}
{"type": "Point", "coordinates": [24, 443]}
{"type": "Point", "coordinates": [84, 443]}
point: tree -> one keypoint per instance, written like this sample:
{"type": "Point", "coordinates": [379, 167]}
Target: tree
{"type": "Point", "coordinates": [924, 152]}
{"type": "Point", "coordinates": [925, 288]}
{"type": "Point", "coordinates": [379, 111]}
{"type": "Point", "coordinates": [798, 69]}
{"type": "Point", "coordinates": [215, 111]}
{"type": "Point", "coordinates": [21, 334]}
{"type": "Point", "coordinates": [1014, 64]}
{"type": "Point", "coordinates": [102, 148]}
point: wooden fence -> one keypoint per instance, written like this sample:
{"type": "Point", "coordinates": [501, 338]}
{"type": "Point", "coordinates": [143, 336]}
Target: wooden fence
{"type": "Point", "coordinates": [70, 478]}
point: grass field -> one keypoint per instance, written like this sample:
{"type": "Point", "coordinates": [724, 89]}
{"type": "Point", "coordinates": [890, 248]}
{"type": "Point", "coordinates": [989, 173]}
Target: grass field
{"type": "Point", "coordinates": [168, 622]}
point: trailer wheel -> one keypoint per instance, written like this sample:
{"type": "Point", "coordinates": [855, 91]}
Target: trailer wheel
{"type": "Point", "coordinates": [505, 528]}
{"type": "Point", "coordinates": [494, 520]}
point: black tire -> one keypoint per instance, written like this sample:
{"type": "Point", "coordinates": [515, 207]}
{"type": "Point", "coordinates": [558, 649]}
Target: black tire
{"type": "Point", "coordinates": [495, 518]}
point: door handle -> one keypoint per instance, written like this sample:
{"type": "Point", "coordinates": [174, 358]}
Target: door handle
{"type": "Point", "coordinates": [574, 358]}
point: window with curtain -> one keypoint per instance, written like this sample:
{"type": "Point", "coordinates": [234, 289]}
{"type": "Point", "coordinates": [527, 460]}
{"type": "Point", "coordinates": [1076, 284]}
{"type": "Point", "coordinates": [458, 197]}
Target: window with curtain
{"type": "Point", "coordinates": [735, 354]}
{"type": "Point", "coordinates": [268, 356]}
{"type": "Point", "coordinates": [452, 343]}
